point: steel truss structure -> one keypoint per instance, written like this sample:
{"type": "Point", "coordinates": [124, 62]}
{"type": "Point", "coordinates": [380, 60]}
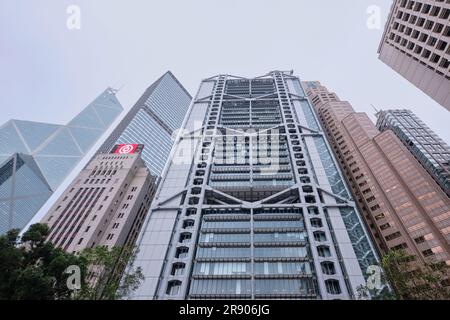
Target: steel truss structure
{"type": "Point", "coordinates": [252, 204]}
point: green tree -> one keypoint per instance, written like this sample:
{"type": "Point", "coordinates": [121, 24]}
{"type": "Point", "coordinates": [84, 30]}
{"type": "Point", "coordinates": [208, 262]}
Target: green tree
{"type": "Point", "coordinates": [31, 268]}
{"type": "Point", "coordinates": [106, 278]}
{"type": "Point", "coordinates": [414, 281]}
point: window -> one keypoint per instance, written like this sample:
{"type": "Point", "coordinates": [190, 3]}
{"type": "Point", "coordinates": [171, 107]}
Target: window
{"type": "Point", "coordinates": [420, 239]}
{"type": "Point", "coordinates": [173, 287]}
{"type": "Point", "coordinates": [333, 286]}
{"type": "Point", "coordinates": [324, 251]}
{"type": "Point", "coordinates": [316, 223]}
{"type": "Point", "coordinates": [177, 269]}
{"type": "Point", "coordinates": [427, 253]}
{"type": "Point", "coordinates": [385, 226]}
{"type": "Point", "coordinates": [187, 224]}
{"type": "Point", "coordinates": [191, 211]}
{"type": "Point", "coordinates": [310, 199]}
{"type": "Point", "coordinates": [393, 236]}
{"type": "Point", "coordinates": [181, 252]}
{"type": "Point", "coordinates": [328, 268]}
{"type": "Point", "coordinates": [320, 236]}
{"type": "Point", "coordinates": [400, 246]}
{"type": "Point", "coordinates": [185, 237]}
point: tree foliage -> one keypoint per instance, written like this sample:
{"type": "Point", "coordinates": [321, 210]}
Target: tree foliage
{"type": "Point", "coordinates": [31, 268]}
{"type": "Point", "coordinates": [106, 280]}
{"type": "Point", "coordinates": [416, 281]}
{"type": "Point", "coordinates": [409, 280]}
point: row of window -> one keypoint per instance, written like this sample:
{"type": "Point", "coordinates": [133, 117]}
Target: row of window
{"type": "Point", "coordinates": [262, 287]}
{"type": "Point", "coordinates": [257, 237]}
{"type": "Point", "coordinates": [245, 252]}
{"type": "Point", "coordinates": [244, 268]}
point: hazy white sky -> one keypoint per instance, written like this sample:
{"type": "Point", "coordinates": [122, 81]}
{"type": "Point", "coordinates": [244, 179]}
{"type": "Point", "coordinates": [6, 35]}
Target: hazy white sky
{"type": "Point", "coordinates": [49, 73]}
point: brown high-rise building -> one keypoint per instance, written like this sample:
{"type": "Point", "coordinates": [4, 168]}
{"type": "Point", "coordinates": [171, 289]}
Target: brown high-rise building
{"type": "Point", "coordinates": [402, 205]}
{"type": "Point", "coordinates": [105, 204]}
{"type": "Point", "coordinates": [415, 43]}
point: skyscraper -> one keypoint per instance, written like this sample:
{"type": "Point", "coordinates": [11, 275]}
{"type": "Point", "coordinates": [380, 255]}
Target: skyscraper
{"type": "Point", "coordinates": [23, 190]}
{"type": "Point", "coordinates": [415, 43]}
{"type": "Point", "coordinates": [104, 205]}
{"type": "Point", "coordinates": [152, 121]}
{"type": "Point", "coordinates": [252, 204]}
{"type": "Point", "coordinates": [402, 205]}
{"type": "Point", "coordinates": [430, 150]}
{"type": "Point", "coordinates": [54, 151]}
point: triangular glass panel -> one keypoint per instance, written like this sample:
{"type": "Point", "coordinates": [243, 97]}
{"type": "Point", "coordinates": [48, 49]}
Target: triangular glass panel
{"type": "Point", "coordinates": [56, 169]}
{"type": "Point", "coordinates": [10, 142]}
{"type": "Point", "coordinates": [4, 216]}
{"type": "Point", "coordinates": [27, 183]}
{"type": "Point", "coordinates": [85, 137]}
{"type": "Point", "coordinates": [108, 115]}
{"type": "Point", "coordinates": [35, 133]}
{"type": "Point", "coordinates": [3, 158]}
{"type": "Point", "coordinates": [6, 175]}
{"type": "Point", "coordinates": [61, 144]}
{"type": "Point", "coordinates": [25, 209]}
{"type": "Point", "coordinates": [87, 118]}
{"type": "Point", "coordinates": [108, 98]}
{"type": "Point", "coordinates": [31, 163]}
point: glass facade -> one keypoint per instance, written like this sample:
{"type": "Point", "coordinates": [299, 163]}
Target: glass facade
{"type": "Point", "coordinates": [23, 190]}
{"type": "Point", "coordinates": [259, 209]}
{"type": "Point", "coordinates": [277, 241]}
{"type": "Point", "coordinates": [152, 121]}
{"type": "Point", "coordinates": [57, 149]}
{"type": "Point", "coordinates": [430, 150]}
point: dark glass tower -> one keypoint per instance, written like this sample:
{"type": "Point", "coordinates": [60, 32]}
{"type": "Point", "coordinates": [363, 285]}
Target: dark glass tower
{"type": "Point", "coordinates": [152, 121]}
{"type": "Point", "coordinates": [426, 146]}
{"type": "Point", "coordinates": [252, 204]}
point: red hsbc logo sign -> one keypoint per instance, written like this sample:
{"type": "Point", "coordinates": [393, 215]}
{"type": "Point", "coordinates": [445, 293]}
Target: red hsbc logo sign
{"type": "Point", "coordinates": [126, 148]}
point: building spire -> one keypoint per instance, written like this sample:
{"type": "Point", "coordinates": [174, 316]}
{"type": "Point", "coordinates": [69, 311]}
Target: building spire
{"type": "Point", "coordinates": [376, 110]}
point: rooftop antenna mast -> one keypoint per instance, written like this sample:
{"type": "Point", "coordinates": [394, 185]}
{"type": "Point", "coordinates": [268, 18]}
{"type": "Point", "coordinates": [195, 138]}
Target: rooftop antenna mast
{"type": "Point", "coordinates": [115, 89]}
{"type": "Point", "coordinates": [376, 110]}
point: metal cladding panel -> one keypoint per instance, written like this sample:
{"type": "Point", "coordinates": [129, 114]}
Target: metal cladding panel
{"type": "Point", "coordinates": [206, 89]}
{"type": "Point", "coordinates": [153, 246]}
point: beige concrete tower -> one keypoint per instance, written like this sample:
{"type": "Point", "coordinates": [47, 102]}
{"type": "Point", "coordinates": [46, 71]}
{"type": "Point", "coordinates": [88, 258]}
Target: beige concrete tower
{"type": "Point", "coordinates": [105, 204]}
{"type": "Point", "coordinates": [402, 205]}
{"type": "Point", "coordinates": [415, 43]}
